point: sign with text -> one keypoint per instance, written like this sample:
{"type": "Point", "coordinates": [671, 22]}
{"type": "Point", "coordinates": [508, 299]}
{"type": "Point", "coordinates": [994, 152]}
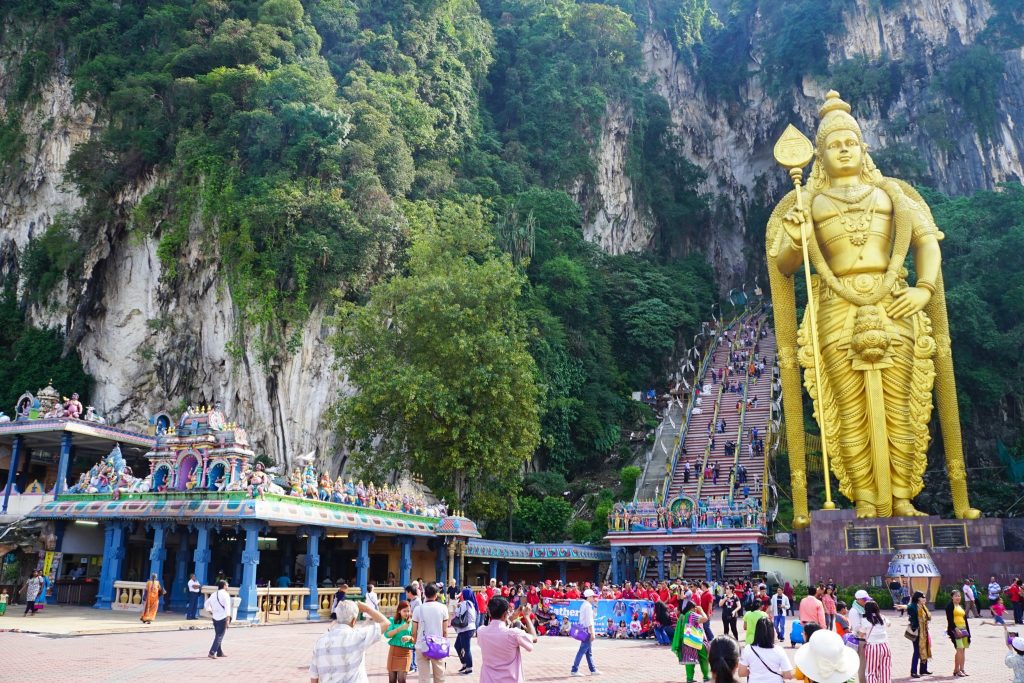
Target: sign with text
{"type": "Point", "coordinates": [949, 535]}
{"type": "Point", "coordinates": [614, 610]}
{"type": "Point", "coordinates": [863, 538]}
{"type": "Point", "coordinates": [901, 536]}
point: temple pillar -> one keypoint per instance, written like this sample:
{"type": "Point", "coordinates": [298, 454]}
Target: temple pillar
{"type": "Point", "coordinates": [661, 550]}
{"type": "Point", "coordinates": [113, 557]}
{"type": "Point", "coordinates": [755, 556]}
{"type": "Point", "coordinates": [236, 561]}
{"type": "Point", "coordinates": [179, 588]}
{"type": "Point", "coordinates": [405, 562]}
{"type": "Point", "coordinates": [202, 554]}
{"type": "Point", "coordinates": [709, 552]}
{"type": "Point", "coordinates": [62, 464]}
{"type": "Point", "coordinates": [616, 566]}
{"type": "Point", "coordinates": [16, 449]}
{"type": "Point", "coordinates": [440, 553]}
{"type": "Point", "coordinates": [563, 572]}
{"type": "Point", "coordinates": [248, 608]}
{"type": "Point", "coordinates": [363, 539]}
{"type": "Point", "coordinates": [58, 531]}
{"type": "Point", "coordinates": [462, 564]}
{"type": "Point", "coordinates": [494, 569]}
{"type": "Point", "coordinates": [450, 550]}
{"type": "Point", "coordinates": [158, 554]}
{"type": "Point", "coordinates": [631, 565]}
{"type": "Point", "coordinates": [287, 546]}
{"type": "Point", "coordinates": [503, 569]}
{"type": "Point", "coordinates": [313, 535]}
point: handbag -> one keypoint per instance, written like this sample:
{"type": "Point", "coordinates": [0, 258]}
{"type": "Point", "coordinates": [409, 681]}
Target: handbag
{"type": "Point", "coordinates": [580, 633]}
{"type": "Point", "coordinates": [911, 634]}
{"type": "Point", "coordinates": [962, 633]}
{"type": "Point", "coordinates": [461, 618]}
{"type": "Point", "coordinates": [437, 647]}
{"type": "Point", "coordinates": [693, 636]}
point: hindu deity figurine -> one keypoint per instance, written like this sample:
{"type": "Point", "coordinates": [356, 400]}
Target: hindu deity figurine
{"type": "Point", "coordinates": [73, 407]}
{"type": "Point", "coordinates": [309, 486]}
{"type": "Point", "coordinates": [338, 494]}
{"type": "Point", "coordinates": [258, 482]}
{"type": "Point", "coordinates": [350, 492]}
{"type": "Point", "coordinates": [326, 489]}
{"type": "Point", "coordinates": [193, 479]}
{"type": "Point", "coordinates": [881, 342]}
{"type": "Point", "coordinates": [295, 482]}
{"type": "Point", "coordinates": [361, 493]}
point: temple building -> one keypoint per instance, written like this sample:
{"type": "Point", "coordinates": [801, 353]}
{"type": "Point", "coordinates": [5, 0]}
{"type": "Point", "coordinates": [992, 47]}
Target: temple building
{"type": "Point", "coordinates": [206, 507]}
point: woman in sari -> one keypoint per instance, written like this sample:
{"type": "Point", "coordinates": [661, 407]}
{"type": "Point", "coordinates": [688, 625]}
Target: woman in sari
{"type": "Point", "coordinates": [151, 600]}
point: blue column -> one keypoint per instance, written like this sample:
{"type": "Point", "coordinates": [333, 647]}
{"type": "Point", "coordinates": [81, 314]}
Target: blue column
{"type": "Point", "coordinates": [494, 569]}
{"type": "Point", "coordinates": [248, 609]}
{"type": "Point", "coordinates": [503, 572]}
{"type": "Point", "coordinates": [113, 557]}
{"type": "Point", "coordinates": [158, 555]}
{"type": "Point", "coordinates": [755, 556]}
{"type": "Point", "coordinates": [236, 560]}
{"type": "Point", "coordinates": [287, 556]}
{"type": "Point", "coordinates": [58, 530]}
{"type": "Point", "coordinates": [364, 539]}
{"type": "Point", "coordinates": [441, 562]}
{"type": "Point", "coordinates": [709, 551]}
{"type": "Point", "coordinates": [563, 572]}
{"type": "Point", "coordinates": [405, 562]}
{"type": "Point", "coordinates": [631, 565]}
{"type": "Point", "coordinates": [661, 550]}
{"type": "Point", "coordinates": [202, 554]}
{"type": "Point", "coordinates": [313, 535]}
{"type": "Point", "coordinates": [62, 465]}
{"type": "Point", "coordinates": [179, 596]}
{"type": "Point", "coordinates": [616, 566]}
{"type": "Point", "coordinates": [16, 449]}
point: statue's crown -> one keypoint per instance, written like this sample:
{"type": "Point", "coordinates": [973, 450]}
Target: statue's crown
{"type": "Point", "coordinates": [835, 115]}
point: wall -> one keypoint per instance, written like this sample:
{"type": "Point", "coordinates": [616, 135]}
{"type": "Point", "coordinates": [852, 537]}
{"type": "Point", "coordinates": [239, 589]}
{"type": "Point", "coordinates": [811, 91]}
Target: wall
{"type": "Point", "coordinates": [789, 569]}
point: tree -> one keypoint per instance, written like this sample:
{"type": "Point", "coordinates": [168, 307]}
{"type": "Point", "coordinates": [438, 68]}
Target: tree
{"type": "Point", "coordinates": [544, 521]}
{"type": "Point", "coordinates": [438, 355]}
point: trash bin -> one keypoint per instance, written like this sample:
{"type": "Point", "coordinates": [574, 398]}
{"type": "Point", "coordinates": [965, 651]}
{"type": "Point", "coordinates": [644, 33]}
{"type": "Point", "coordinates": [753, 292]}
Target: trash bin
{"type": "Point", "coordinates": [235, 602]}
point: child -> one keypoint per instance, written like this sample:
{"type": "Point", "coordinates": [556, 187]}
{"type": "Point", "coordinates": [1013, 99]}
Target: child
{"type": "Point", "coordinates": [842, 618]}
{"type": "Point", "coordinates": [998, 609]}
{"type": "Point", "coordinates": [634, 626]}
{"type": "Point", "coordinates": [610, 629]}
{"type": "Point", "coordinates": [796, 635]}
{"type": "Point", "coordinates": [622, 632]}
{"type": "Point", "coordinates": [3, 602]}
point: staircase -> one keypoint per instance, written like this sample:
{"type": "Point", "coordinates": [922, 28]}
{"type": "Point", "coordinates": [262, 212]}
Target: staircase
{"type": "Point", "coordinates": [738, 563]}
{"type": "Point", "coordinates": [739, 422]}
{"type": "Point", "coordinates": [695, 568]}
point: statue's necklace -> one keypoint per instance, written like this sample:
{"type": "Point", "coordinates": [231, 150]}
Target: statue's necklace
{"type": "Point", "coordinates": [856, 228]}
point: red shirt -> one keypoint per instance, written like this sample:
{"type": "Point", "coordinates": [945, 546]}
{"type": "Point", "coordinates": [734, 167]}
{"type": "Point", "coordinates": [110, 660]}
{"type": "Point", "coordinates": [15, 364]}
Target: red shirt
{"type": "Point", "coordinates": [532, 598]}
{"type": "Point", "coordinates": [504, 591]}
{"type": "Point", "coordinates": [664, 594]}
{"type": "Point", "coordinates": [1014, 591]}
{"type": "Point", "coordinates": [481, 602]}
{"type": "Point", "coordinates": [573, 594]}
{"type": "Point", "coordinates": [706, 602]}
{"type": "Point", "coordinates": [547, 592]}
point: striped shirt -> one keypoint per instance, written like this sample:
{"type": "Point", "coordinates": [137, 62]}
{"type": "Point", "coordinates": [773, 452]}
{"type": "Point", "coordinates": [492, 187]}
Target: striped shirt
{"type": "Point", "coordinates": [338, 656]}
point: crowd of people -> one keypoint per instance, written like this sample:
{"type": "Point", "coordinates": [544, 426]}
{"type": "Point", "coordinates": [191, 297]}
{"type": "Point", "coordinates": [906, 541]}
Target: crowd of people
{"type": "Point", "coordinates": [709, 513]}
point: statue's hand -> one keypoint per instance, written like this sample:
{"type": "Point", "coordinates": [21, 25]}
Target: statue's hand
{"type": "Point", "coordinates": [908, 302]}
{"type": "Point", "coordinates": [796, 222]}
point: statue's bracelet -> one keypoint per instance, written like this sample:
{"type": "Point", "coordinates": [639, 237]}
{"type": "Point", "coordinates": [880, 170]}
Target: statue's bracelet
{"type": "Point", "coordinates": [924, 284]}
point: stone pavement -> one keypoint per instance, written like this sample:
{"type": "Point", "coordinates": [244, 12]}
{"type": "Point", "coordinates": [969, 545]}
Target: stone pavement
{"type": "Point", "coordinates": [281, 653]}
{"type": "Point", "coordinates": [61, 620]}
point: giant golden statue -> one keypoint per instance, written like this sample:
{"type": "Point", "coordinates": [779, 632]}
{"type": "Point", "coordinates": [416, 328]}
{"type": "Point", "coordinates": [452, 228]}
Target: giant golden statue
{"type": "Point", "coordinates": [878, 345]}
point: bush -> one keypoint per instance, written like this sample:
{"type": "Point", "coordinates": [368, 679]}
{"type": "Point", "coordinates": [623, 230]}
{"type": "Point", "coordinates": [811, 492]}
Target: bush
{"type": "Point", "coordinates": [579, 531]}
{"type": "Point", "coordinates": [628, 477]}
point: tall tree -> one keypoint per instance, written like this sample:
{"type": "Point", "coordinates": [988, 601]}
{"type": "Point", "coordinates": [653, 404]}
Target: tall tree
{"type": "Point", "coordinates": [445, 383]}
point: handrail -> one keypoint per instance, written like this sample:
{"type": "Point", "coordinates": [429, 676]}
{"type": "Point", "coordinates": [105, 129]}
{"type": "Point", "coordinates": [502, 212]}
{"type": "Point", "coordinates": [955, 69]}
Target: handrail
{"type": "Point", "coordinates": [742, 419]}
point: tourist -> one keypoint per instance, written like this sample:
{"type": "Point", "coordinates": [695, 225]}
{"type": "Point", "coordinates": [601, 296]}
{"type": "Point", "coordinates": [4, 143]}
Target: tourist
{"type": "Point", "coordinates": [970, 605]}
{"type": "Point", "coordinates": [842, 618]}
{"type": "Point", "coordinates": [876, 655]}
{"type": "Point", "coordinates": [750, 621]}
{"type": "Point", "coordinates": [777, 609]}
{"type": "Point", "coordinates": [585, 621]}
{"type": "Point", "coordinates": [33, 587]}
{"type": "Point", "coordinates": [340, 653]}
{"type": "Point", "coordinates": [860, 598]}
{"type": "Point", "coordinates": [464, 622]}
{"type": "Point", "coordinates": [723, 659]}
{"type": "Point", "coordinates": [1016, 592]}
{"type": "Point", "coordinates": [787, 590]}
{"type": "Point", "coordinates": [959, 631]}
{"type": "Point", "coordinates": [501, 646]}
{"type": "Point", "coordinates": [664, 625]}
{"type": "Point", "coordinates": [284, 581]}
{"type": "Point", "coordinates": [218, 604]}
{"type": "Point", "coordinates": [429, 620]}
{"type": "Point", "coordinates": [731, 608]}
{"type": "Point", "coordinates": [998, 610]}
{"type": "Point", "coordinates": [825, 659]}
{"type": "Point", "coordinates": [690, 615]}
{"type": "Point", "coordinates": [400, 643]}
{"type": "Point", "coordinates": [811, 609]}
{"type": "Point", "coordinates": [994, 589]}
{"type": "Point", "coordinates": [764, 661]}
{"type": "Point", "coordinates": [371, 596]}
{"type": "Point", "coordinates": [707, 605]}
{"type": "Point", "coordinates": [151, 600]}
{"type": "Point", "coordinates": [453, 593]}
{"type": "Point", "coordinates": [1015, 657]}
{"type": "Point", "coordinates": [920, 617]}
{"type": "Point", "coordinates": [194, 589]}
{"type": "Point", "coordinates": [828, 603]}
{"type": "Point", "coordinates": [340, 596]}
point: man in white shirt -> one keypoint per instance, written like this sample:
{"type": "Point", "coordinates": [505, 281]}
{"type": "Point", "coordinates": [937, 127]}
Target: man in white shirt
{"type": "Point", "coordinates": [194, 591]}
{"type": "Point", "coordinates": [339, 655]}
{"type": "Point", "coordinates": [586, 620]}
{"type": "Point", "coordinates": [430, 619]}
{"type": "Point", "coordinates": [219, 607]}
{"type": "Point", "coordinates": [969, 604]}
{"type": "Point", "coordinates": [993, 590]}
{"type": "Point", "coordinates": [856, 617]}
{"type": "Point", "coordinates": [778, 608]}
{"type": "Point", "coordinates": [371, 597]}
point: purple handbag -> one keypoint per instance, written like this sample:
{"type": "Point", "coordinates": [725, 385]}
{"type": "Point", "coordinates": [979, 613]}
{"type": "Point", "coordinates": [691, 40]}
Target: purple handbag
{"type": "Point", "coordinates": [580, 633]}
{"type": "Point", "coordinates": [437, 647]}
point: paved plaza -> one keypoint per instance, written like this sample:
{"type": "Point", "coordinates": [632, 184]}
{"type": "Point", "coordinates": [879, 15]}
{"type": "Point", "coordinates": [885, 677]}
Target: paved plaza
{"type": "Point", "coordinates": [281, 653]}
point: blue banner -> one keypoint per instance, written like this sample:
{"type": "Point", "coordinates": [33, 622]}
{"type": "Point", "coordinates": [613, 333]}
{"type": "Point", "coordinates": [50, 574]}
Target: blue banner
{"type": "Point", "coordinates": [615, 610]}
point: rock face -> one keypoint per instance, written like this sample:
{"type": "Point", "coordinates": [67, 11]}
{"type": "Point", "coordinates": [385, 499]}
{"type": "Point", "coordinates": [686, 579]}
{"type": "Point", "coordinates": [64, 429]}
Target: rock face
{"type": "Point", "coordinates": [153, 343]}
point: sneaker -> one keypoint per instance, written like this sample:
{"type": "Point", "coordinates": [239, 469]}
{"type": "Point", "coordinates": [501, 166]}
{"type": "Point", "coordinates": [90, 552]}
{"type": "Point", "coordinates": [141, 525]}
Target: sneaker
{"type": "Point", "coordinates": [466, 672]}
{"type": "Point", "coordinates": [212, 656]}
{"type": "Point", "coordinates": [575, 673]}
{"type": "Point", "coordinates": [595, 672]}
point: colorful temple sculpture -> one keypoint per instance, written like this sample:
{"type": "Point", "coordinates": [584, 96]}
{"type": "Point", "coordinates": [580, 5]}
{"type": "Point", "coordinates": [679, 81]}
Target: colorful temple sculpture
{"type": "Point", "coordinates": [189, 497]}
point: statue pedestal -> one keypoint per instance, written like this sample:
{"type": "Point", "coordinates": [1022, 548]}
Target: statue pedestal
{"type": "Point", "coordinates": [858, 551]}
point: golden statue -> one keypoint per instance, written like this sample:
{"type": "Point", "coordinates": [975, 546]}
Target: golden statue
{"type": "Point", "coordinates": [877, 346]}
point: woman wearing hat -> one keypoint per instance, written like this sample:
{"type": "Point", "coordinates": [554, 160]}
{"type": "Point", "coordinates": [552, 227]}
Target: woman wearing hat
{"type": "Point", "coordinates": [1015, 657]}
{"type": "Point", "coordinates": [826, 659]}
{"type": "Point", "coordinates": [958, 630]}
{"type": "Point", "coordinates": [919, 619]}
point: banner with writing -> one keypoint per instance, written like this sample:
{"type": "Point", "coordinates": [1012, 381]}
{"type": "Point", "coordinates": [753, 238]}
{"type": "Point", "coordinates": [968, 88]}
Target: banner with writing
{"type": "Point", "coordinates": [615, 610]}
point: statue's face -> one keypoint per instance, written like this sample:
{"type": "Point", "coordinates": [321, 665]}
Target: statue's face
{"type": "Point", "coordinates": [843, 154]}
